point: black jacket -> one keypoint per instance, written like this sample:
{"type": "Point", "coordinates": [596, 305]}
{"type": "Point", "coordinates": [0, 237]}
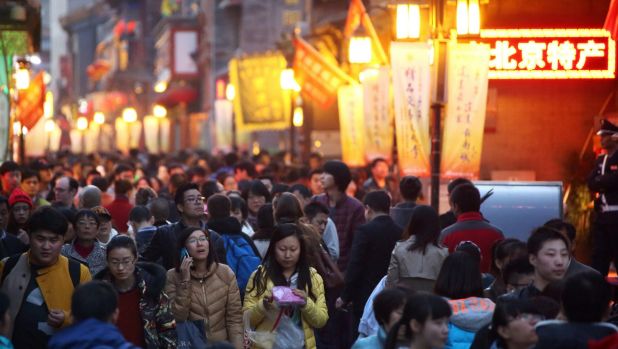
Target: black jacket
{"type": "Point", "coordinates": [10, 245]}
{"type": "Point", "coordinates": [231, 226]}
{"type": "Point", "coordinates": [605, 184]}
{"type": "Point", "coordinates": [369, 259]}
{"type": "Point", "coordinates": [569, 335]}
{"type": "Point", "coordinates": [162, 248]}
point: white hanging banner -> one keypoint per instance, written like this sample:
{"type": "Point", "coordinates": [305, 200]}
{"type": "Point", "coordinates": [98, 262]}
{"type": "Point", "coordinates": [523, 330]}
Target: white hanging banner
{"type": "Point", "coordinates": [411, 66]}
{"type": "Point", "coordinates": [352, 125]}
{"type": "Point", "coordinates": [379, 120]}
{"type": "Point", "coordinates": [223, 124]}
{"type": "Point", "coordinates": [467, 71]}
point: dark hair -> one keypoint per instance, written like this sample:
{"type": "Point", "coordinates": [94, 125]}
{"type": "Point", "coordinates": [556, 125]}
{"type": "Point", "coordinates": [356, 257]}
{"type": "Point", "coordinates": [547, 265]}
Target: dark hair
{"type": "Point", "coordinates": [287, 209]}
{"type": "Point", "coordinates": [455, 183]}
{"type": "Point", "coordinates": [121, 241]}
{"type": "Point", "coordinates": [410, 187]}
{"type": "Point", "coordinates": [420, 307]}
{"type": "Point", "coordinates": [562, 225]}
{"type": "Point", "coordinates": [265, 223]}
{"type": "Point", "coordinates": [424, 225]}
{"type": "Point", "coordinates": [95, 299]}
{"type": "Point", "coordinates": [507, 310]}
{"type": "Point", "coordinates": [4, 200]}
{"type": "Point", "coordinates": [378, 201]}
{"type": "Point", "coordinates": [182, 241]}
{"type": "Point", "coordinates": [196, 171]}
{"type": "Point", "coordinates": [317, 171]}
{"type": "Point", "coordinates": [467, 198]}
{"type": "Point", "coordinates": [519, 266]}
{"type": "Point", "coordinates": [88, 214]}
{"type": "Point", "coordinates": [541, 235]}
{"type": "Point", "coordinates": [470, 248]}
{"type": "Point", "coordinates": [503, 249]}
{"type": "Point", "coordinates": [177, 180]}
{"type": "Point", "coordinates": [219, 206]}
{"type": "Point", "coordinates": [209, 188]}
{"type": "Point", "coordinates": [122, 187]}
{"type": "Point", "coordinates": [270, 268]}
{"type": "Point", "coordinates": [257, 188]}
{"type": "Point", "coordinates": [341, 173]}
{"type": "Point", "coordinates": [314, 208]}
{"type": "Point", "coordinates": [139, 214]}
{"type": "Point", "coordinates": [123, 167]}
{"type": "Point", "coordinates": [238, 203]}
{"type": "Point", "coordinates": [144, 196]}
{"type": "Point", "coordinates": [459, 277]}
{"type": "Point", "coordinates": [586, 297]}
{"type": "Point", "coordinates": [246, 166]}
{"type": "Point", "coordinates": [179, 198]}
{"type": "Point", "coordinates": [9, 166]}
{"type": "Point", "coordinates": [386, 302]}
{"type": "Point", "coordinates": [47, 218]}
{"type": "Point", "coordinates": [280, 188]}
{"type": "Point", "coordinates": [28, 173]}
{"type": "Point", "coordinates": [303, 190]}
{"type": "Point", "coordinates": [376, 161]}
{"type": "Point", "coordinates": [101, 183]}
{"type": "Point", "coordinates": [160, 209]}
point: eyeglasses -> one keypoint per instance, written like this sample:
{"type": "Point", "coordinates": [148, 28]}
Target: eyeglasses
{"type": "Point", "coordinates": [201, 239]}
{"type": "Point", "coordinates": [197, 199]}
{"type": "Point", "coordinates": [125, 263]}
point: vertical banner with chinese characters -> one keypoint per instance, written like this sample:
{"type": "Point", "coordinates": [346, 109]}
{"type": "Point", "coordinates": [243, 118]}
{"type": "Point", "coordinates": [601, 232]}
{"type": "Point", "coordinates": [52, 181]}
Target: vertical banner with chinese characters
{"type": "Point", "coordinates": [378, 114]}
{"type": "Point", "coordinates": [467, 68]}
{"type": "Point", "coordinates": [352, 125]}
{"type": "Point", "coordinates": [223, 124]}
{"type": "Point", "coordinates": [411, 88]}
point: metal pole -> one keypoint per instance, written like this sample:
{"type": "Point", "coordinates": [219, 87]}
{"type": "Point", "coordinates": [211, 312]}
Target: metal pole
{"type": "Point", "coordinates": [435, 154]}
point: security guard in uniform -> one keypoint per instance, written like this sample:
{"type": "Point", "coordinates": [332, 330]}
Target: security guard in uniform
{"type": "Point", "coordinates": [603, 181]}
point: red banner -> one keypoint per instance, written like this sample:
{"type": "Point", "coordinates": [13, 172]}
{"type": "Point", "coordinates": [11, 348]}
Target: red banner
{"type": "Point", "coordinates": [318, 78]}
{"type": "Point", "coordinates": [29, 107]}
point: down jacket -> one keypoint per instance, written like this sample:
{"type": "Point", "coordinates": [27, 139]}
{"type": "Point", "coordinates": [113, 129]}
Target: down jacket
{"type": "Point", "coordinates": [314, 314]}
{"type": "Point", "coordinates": [215, 299]}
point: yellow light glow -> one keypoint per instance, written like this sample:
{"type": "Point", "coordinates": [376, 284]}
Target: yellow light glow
{"type": "Point", "coordinates": [298, 117]}
{"type": "Point", "coordinates": [17, 128]}
{"type": "Point", "coordinates": [129, 115]}
{"type": "Point", "coordinates": [360, 50]}
{"type": "Point", "coordinates": [99, 118]}
{"type": "Point", "coordinates": [47, 78]}
{"type": "Point", "coordinates": [160, 86]}
{"type": "Point", "coordinates": [317, 144]}
{"type": "Point", "coordinates": [159, 111]}
{"type": "Point", "coordinates": [82, 123]}
{"type": "Point", "coordinates": [230, 92]}
{"type": "Point", "coordinates": [286, 79]}
{"type": "Point", "coordinates": [24, 130]}
{"type": "Point", "coordinates": [368, 74]}
{"type": "Point", "coordinates": [22, 78]}
{"type": "Point", "coordinates": [50, 126]}
{"type": "Point", "coordinates": [474, 17]}
{"type": "Point", "coordinates": [462, 17]}
{"type": "Point", "coordinates": [48, 105]}
{"type": "Point", "coordinates": [255, 149]}
{"type": "Point", "coordinates": [408, 21]}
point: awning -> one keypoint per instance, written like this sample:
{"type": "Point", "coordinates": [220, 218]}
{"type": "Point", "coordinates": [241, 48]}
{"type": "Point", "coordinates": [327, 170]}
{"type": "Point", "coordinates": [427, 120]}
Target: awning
{"type": "Point", "coordinates": [177, 94]}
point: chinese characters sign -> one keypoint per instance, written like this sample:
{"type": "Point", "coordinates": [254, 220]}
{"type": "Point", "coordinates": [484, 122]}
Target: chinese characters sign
{"type": "Point", "coordinates": [379, 127]}
{"type": "Point", "coordinates": [467, 69]}
{"type": "Point", "coordinates": [411, 87]}
{"type": "Point", "coordinates": [259, 103]}
{"type": "Point", "coordinates": [352, 125]}
{"type": "Point", "coordinates": [550, 53]}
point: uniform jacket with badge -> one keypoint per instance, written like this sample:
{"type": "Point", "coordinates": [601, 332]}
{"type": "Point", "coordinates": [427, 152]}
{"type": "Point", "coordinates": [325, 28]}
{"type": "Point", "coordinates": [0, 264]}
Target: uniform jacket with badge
{"type": "Point", "coordinates": [603, 180]}
{"type": "Point", "coordinates": [154, 305]}
{"type": "Point", "coordinates": [214, 298]}
{"type": "Point", "coordinates": [54, 282]}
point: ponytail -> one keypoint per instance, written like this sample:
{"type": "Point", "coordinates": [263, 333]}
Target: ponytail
{"type": "Point", "coordinates": [393, 334]}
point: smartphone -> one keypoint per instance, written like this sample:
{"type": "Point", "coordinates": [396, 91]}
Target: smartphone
{"type": "Point", "coordinates": [183, 254]}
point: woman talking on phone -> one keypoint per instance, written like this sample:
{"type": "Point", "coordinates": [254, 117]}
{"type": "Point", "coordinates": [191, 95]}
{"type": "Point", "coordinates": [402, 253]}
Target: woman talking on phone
{"type": "Point", "coordinates": [202, 289]}
{"type": "Point", "coordinates": [285, 264]}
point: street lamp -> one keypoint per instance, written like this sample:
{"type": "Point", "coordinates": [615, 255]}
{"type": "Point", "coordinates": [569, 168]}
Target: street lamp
{"type": "Point", "coordinates": [360, 47]}
{"type": "Point", "coordinates": [129, 115]}
{"type": "Point", "coordinates": [159, 111]}
{"type": "Point", "coordinates": [99, 118]}
{"type": "Point", "coordinates": [291, 87]}
{"type": "Point", "coordinates": [408, 21]}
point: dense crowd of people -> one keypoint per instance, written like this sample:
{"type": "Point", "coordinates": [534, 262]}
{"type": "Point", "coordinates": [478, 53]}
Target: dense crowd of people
{"type": "Point", "coordinates": [236, 252]}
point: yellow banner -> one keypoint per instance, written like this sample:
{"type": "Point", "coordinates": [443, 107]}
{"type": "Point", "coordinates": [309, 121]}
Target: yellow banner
{"type": "Point", "coordinates": [352, 125]}
{"type": "Point", "coordinates": [411, 88]}
{"type": "Point", "coordinates": [379, 122]}
{"type": "Point", "coordinates": [467, 70]}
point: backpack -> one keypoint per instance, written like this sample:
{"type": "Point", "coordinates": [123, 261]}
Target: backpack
{"type": "Point", "coordinates": [241, 258]}
{"type": "Point", "coordinates": [74, 269]}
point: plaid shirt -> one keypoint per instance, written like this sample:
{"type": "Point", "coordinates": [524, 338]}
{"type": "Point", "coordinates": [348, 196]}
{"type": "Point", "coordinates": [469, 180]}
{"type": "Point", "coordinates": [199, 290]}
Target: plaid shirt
{"type": "Point", "coordinates": [348, 214]}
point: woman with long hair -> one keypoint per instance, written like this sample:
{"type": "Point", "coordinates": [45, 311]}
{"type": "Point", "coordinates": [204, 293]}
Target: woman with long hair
{"type": "Point", "coordinates": [460, 282]}
{"type": "Point", "coordinates": [425, 324]}
{"type": "Point", "coordinates": [203, 289]}
{"type": "Point", "coordinates": [416, 261]}
{"type": "Point", "coordinates": [513, 324]}
{"type": "Point", "coordinates": [503, 252]}
{"type": "Point", "coordinates": [145, 317]}
{"type": "Point", "coordinates": [285, 264]}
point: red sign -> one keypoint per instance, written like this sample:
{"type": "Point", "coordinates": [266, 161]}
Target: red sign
{"type": "Point", "coordinates": [30, 103]}
{"type": "Point", "coordinates": [318, 78]}
{"type": "Point", "coordinates": [550, 53]}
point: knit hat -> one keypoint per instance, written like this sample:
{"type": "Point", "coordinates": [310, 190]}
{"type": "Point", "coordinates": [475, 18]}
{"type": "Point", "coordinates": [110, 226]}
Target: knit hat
{"type": "Point", "coordinates": [341, 173]}
{"type": "Point", "coordinates": [19, 195]}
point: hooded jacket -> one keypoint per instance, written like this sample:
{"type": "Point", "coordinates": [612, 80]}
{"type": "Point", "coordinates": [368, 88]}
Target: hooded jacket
{"type": "Point", "coordinates": [231, 226]}
{"type": "Point", "coordinates": [154, 305]}
{"type": "Point", "coordinates": [469, 316]}
{"type": "Point", "coordinates": [90, 334]}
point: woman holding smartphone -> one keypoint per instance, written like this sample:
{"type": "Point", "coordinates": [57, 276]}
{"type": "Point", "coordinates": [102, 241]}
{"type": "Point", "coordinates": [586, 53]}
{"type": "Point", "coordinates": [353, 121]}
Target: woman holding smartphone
{"type": "Point", "coordinates": [202, 289]}
{"type": "Point", "coordinates": [285, 264]}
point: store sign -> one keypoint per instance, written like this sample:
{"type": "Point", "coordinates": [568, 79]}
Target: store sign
{"type": "Point", "coordinates": [550, 53]}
